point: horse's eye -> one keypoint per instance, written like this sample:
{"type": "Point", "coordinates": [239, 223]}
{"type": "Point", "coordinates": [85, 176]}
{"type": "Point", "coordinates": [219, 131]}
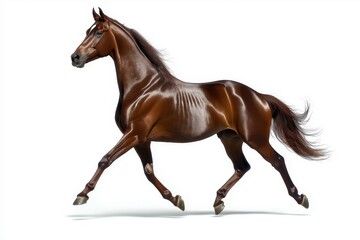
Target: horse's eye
{"type": "Point", "coordinates": [98, 33]}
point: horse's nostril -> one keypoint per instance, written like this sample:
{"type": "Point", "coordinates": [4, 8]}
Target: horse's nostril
{"type": "Point", "coordinates": [75, 58]}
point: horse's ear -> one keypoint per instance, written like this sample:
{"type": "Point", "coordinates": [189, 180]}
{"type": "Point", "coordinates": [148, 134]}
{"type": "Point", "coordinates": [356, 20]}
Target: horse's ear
{"type": "Point", "coordinates": [102, 15]}
{"type": "Point", "coordinates": [96, 16]}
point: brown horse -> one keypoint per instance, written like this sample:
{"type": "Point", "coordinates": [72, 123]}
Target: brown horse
{"type": "Point", "coordinates": [156, 106]}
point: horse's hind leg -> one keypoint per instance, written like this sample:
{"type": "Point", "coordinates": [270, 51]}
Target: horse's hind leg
{"type": "Point", "coordinates": [144, 153]}
{"type": "Point", "coordinates": [233, 146]}
{"type": "Point", "coordinates": [277, 161]}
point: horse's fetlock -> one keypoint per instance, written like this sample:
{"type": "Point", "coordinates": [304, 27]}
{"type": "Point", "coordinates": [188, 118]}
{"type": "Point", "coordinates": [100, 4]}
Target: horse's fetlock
{"type": "Point", "coordinates": [167, 194]}
{"type": "Point", "coordinates": [221, 193]}
{"type": "Point", "coordinates": [293, 191]}
{"type": "Point", "coordinates": [90, 186]}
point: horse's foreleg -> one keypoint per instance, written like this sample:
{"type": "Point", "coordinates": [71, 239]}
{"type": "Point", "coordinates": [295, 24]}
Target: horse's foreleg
{"type": "Point", "coordinates": [129, 140]}
{"type": "Point", "coordinates": [144, 153]}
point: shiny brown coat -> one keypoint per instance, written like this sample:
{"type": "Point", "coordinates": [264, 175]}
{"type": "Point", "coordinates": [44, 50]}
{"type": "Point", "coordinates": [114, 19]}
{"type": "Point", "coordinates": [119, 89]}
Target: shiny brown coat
{"type": "Point", "coordinates": [156, 106]}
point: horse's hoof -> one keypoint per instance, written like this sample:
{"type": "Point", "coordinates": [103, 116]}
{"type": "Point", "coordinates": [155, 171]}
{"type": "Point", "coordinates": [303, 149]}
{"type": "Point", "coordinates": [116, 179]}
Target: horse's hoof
{"type": "Point", "coordinates": [219, 208]}
{"type": "Point", "coordinates": [80, 200]}
{"type": "Point", "coordinates": [305, 201]}
{"type": "Point", "coordinates": [180, 202]}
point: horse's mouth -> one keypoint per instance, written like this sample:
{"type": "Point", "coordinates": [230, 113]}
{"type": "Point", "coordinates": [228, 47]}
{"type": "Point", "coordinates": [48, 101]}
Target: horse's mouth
{"type": "Point", "coordinates": [79, 65]}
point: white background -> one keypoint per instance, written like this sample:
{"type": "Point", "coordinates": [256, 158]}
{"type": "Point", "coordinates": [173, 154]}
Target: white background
{"type": "Point", "coordinates": [57, 121]}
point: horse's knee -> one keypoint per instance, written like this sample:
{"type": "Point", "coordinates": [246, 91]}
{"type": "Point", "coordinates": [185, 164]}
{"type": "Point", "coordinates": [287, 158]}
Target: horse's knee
{"type": "Point", "coordinates": [149, 169]}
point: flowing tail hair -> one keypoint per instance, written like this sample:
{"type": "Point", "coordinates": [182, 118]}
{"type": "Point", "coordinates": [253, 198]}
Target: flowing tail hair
{"type": "Point", "coordinates": [288, 128]}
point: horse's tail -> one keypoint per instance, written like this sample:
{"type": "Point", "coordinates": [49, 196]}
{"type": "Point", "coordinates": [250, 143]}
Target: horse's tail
{"type": "Point", "coordinates": [288, 129]}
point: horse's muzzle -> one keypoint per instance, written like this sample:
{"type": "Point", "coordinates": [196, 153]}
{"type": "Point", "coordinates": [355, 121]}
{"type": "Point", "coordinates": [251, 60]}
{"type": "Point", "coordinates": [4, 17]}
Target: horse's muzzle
{"type": "Point", "coordinates": [77, 61]}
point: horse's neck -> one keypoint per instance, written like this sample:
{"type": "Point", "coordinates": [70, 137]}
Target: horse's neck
{"type": "Point", "coordinates": [134, 71]}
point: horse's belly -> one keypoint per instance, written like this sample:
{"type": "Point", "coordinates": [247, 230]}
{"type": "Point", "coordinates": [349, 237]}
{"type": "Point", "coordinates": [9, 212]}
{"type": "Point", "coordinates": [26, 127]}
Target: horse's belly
{"type": "Point", "coordinates": [194, 126]}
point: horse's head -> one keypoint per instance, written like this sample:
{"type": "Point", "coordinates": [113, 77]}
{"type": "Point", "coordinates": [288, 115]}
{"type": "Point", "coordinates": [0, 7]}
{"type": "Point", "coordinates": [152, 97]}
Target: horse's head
{"type": "Point", "coordinates": [99, 41]}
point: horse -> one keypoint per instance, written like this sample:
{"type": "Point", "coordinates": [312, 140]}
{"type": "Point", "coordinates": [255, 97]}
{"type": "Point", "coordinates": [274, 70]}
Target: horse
{"type": "Point", "coordinates": [156, 106]}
